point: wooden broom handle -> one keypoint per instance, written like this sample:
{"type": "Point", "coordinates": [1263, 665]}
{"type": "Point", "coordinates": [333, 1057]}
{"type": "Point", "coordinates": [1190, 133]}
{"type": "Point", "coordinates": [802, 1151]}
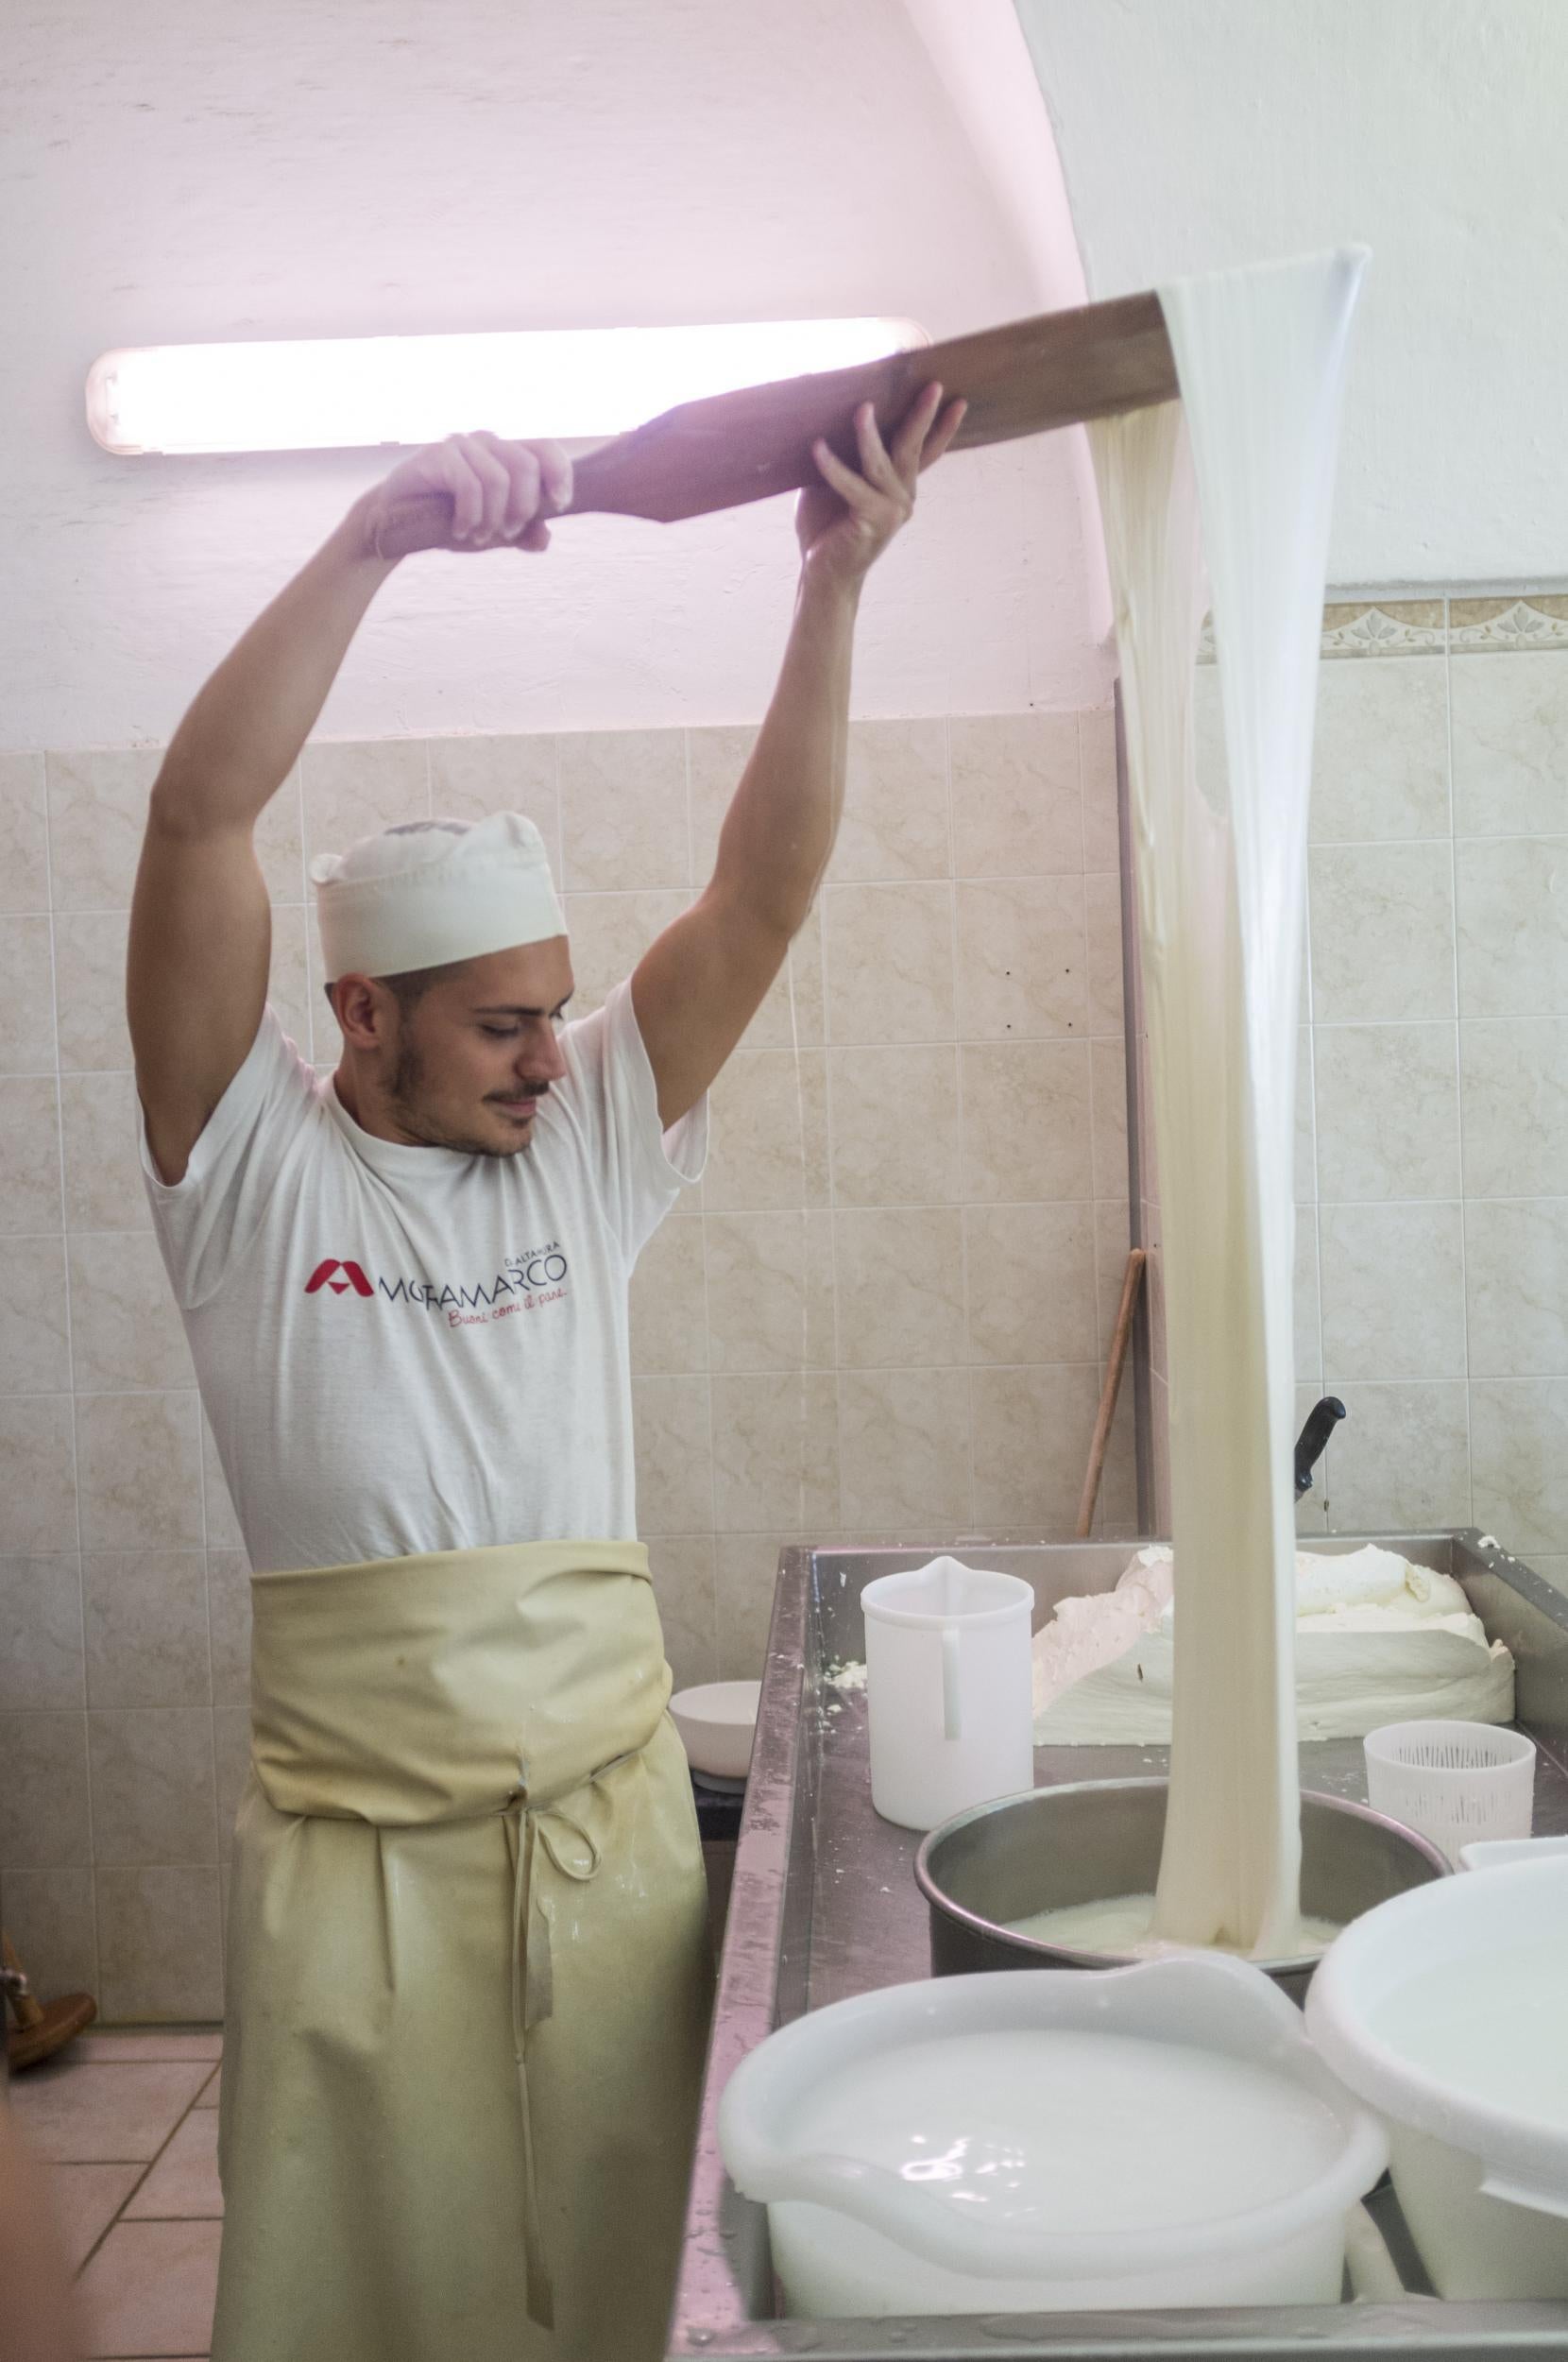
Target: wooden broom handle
{"type": "Point", "coordinates": [1026, 378]}
{"type": "Point", "coordinates": [1119, 1340]}
{"type": "Point", "coordinates": [29, 2009]}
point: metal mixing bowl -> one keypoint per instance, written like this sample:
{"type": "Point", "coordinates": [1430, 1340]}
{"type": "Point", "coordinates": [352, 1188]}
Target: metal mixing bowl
{"type": "Point", "coordinates": [1096, 1838]}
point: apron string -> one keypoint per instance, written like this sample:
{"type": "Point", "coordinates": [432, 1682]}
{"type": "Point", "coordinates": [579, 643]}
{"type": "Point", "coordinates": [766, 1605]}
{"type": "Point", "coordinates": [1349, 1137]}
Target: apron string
{"type": "Point", "coordinates": [533, 1999]}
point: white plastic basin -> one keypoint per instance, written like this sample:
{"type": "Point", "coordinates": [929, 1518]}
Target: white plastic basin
{"type": "Point", "coordinates": [718, 1724]}
{"type": "Point", "coordinates": [1442, 2010]}
{"type": "Point", "coordinates": [1156, 2135]}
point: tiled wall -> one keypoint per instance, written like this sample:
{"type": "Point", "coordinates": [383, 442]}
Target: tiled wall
{"type": "Point", "coordinates": [1432, 1142]}
{"type": "Point", "coordinates": [883, 1313]}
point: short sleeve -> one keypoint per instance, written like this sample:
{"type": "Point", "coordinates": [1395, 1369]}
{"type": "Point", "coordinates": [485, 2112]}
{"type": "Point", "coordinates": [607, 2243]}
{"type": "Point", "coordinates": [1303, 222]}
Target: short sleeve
{"type": "Point", "coordinates": [640, 1168]}
{"type": "Point", "coordinates": [207, 1219]}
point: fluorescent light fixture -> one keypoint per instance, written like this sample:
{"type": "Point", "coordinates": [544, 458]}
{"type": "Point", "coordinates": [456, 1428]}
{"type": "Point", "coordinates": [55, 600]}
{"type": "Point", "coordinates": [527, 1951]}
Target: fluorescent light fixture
{"type": "Point", "coordinates": [572, 385]}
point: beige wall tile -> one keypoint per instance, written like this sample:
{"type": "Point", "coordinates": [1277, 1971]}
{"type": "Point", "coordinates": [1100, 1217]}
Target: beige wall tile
{"type": "Point", "coordinates": [470, 777]}
{"type": "Point", "coordinates": [279, 842]}
{"type": "Point", "coordinates": [40, 1660]}
{"type": "Point", "coordinates": [1307, 1321]}
{"type": "Point", "coordinates": [900, 1284]}
{"type": "Point", "coordinates": [775, 1451]}
{"type": "Point", "coordinates": [26, 1007]}
{"type": "Point", "coordinates": [356, 787]}
{"type": "Point", "coordinates": [904, 1445]}
{"type": "Point", "coordinates": [1393, 1292]}
{"type": "Point", "coordinates": [770, 1290]}
{"type": "Point", "coordinates": [50, 1920]}
{"type": "Point", "coordinates": [1519, 1445]}
{"type": "Point", "coordinates": [609, 935]}
{"type": "Point", "coordinates": [770, 1133]}
{"type": "Point", "coordinates": [35, 1356]}
{"type": "Point", "coordinates": [894, 821]}
{"type": "Point", "coordinates": [1028, 1122]}
{"type": "Point", "coordinates": [1096, 741]}
{"type": "Point", "coordinates": [745, 1578]}
{"type": "Point", "coordinates": [1108, 1075]}
{"type": "Point", "coordinates": [90, 989]}
{"type": "Point", "coordinates": [288, 981]}
{"type": "Point", "coordinates": [889, 959]}
{"type": "Point", "coordinates": [37, 1484]}
{"type": "Point", "coordinates": [223, 1530]}
{"type": "Point", "coordinates": [1032, 1430]}
{"type": "Point", "coordinates": [895, 1126]}
{"type": "Point", "coordinates": [158, 1944]}
{"type": "Point", "coordinates": [1514, 1082]}
{"type": "Point", "coordinates": [147, 1628]}
{"type": "Point", "coordinates": [1017, 796]}
{"type": "Point", "coordinates": [229, 1624]}
{"type": "Point", "coordinates": [98, 816]}
{"type": "Point", "coordinates": [1510, 743]}
{"type": "Point", "coordinates": [139, 1474]}
{"type": "Point", "coordinates": [716, 759]}
{"type": "Point", "coordinates": [669, 1300]}
{"type": "Point", "coordinates": [1514, 925]}
{"type": "Point", "coordinates": [683, 1585]}
{"type": "Point", "coordinates": [24, 834]}
{"type": "Point", "coordinates": [232, 1769]}
{"type": "Point", "coordinates": [152, 1787]}
{"type": "Point", "coordinates": [44, 1817]}
{"type": "Point", "coordinates": [624, 816]}
{"type": "Point", "coordinates": [1401, 1460]}
{"type": "Point", "coordinates": [104, 1190]}
{"type": "Point", "coordinates": [1113, 1240]}
{"type": "Point", "coordinates": [1387, 1111]}
{"type": "Point", "coordinates": [126, 1330]}
{"type": "Point", "coordinates": [1306, 1143]}
{"type": "Point", "coordinates": [1031, 1282]}
{"type": "Point", "coordinates": [1380, 757]}
{"type": "Point", "coordinates": [1382, 931]}
{"type": "Point", "coordinates": [1102, 927]}
{"type": "Point", "coordinates": [1022, 959]}
{"type": "Point", "coordinates": [674, 1459]}
{"type": "Point", "coordinates": [30, 1155]}
{"type": "Point", "coordinates": [1516, 1287]}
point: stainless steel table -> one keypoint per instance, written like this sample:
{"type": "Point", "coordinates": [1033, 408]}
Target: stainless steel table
{"type": "Point", "coordinates": [824, 1905]}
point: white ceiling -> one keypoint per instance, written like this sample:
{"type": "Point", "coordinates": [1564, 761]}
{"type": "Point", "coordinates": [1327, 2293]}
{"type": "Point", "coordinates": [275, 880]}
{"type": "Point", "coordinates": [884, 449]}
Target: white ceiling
{"type": "Point", "coordinates": [1201, 134]}
{"type": "Point", "coordinates": [178, 171]}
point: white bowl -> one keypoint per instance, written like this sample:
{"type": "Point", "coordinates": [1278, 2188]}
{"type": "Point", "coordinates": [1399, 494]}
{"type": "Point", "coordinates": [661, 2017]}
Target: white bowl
{"type": "Point", "coordinates": [717, 1723]}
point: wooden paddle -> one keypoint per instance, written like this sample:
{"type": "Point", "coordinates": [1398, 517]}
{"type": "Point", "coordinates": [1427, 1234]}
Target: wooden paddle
{"type": "Point", "coordinates": [733, 448]}
{"type": "Point", "coordinates": [1121, 1338]}
{"type": "Point", "coordinates": [42, 2028]}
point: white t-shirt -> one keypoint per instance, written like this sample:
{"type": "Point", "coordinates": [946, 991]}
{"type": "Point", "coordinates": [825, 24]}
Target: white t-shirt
{"type": "Point", "coordinates": [404, 1348]}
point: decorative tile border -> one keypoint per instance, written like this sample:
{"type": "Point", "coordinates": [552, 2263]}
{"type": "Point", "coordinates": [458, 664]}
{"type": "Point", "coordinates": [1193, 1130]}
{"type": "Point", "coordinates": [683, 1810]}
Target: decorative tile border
{"type": "Point", "coordinates": [1401, 627]}
{"type": "Point", "coordinates": [1537, 621]}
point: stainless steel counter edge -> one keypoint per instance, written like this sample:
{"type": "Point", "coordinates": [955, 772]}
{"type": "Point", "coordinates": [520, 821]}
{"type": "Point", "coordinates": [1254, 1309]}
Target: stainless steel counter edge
{"type": "Point", "coordinates": [758, 1968]}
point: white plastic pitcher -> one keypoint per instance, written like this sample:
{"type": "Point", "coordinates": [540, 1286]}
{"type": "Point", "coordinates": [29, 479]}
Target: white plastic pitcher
{"type": "Point", "coordinates": [1478, 2118]}
{"type": "Point", "coordinates": [949, 1690]}
{"type": "Point", "coordinates": [1019, 2141]}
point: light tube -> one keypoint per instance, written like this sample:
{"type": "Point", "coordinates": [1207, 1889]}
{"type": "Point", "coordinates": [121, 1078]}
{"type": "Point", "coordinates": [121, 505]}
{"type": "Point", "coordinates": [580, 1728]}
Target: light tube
{"type": "Point", "coordinates": [570, 385]}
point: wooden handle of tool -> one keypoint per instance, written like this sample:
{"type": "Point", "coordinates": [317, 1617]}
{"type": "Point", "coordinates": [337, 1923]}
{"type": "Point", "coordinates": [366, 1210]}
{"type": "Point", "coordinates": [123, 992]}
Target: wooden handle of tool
{"type": "Point", "coordinates": [1121, 1338]}
{"type": "Point", "coordinates": [29, 2011]}
{"type": "Point", "coordinates": [721, 453]}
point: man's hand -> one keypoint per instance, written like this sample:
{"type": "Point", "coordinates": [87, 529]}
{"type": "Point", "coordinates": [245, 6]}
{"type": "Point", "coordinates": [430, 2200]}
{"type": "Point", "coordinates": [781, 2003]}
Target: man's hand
{"type": "Point", "coordinates": [501, 492]}
{"type": "Point", "coordinates": [846, 522]}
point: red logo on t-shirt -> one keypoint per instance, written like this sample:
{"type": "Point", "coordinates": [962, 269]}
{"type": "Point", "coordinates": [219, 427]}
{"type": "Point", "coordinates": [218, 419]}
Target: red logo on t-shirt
{"type": "Point", "coordinates": [352, 1277]}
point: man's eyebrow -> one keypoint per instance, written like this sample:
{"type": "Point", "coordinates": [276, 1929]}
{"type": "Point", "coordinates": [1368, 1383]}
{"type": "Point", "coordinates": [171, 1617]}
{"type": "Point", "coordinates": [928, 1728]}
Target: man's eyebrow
{"type": "Point", "coordinates": [516, 1008]}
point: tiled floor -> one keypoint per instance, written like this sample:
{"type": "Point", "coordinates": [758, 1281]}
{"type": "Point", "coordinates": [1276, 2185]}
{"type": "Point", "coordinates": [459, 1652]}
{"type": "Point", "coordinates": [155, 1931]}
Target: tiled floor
{"type": "Point", "coordinates": [128, 2124]}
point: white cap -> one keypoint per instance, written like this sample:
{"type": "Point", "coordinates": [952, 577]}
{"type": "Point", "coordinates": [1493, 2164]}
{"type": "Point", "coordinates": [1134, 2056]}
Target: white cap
{"type": "Point", "coordinates": [434, 891]}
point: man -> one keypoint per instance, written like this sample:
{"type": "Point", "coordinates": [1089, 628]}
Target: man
{"type": "Point", "coordinates": [467, 1984]}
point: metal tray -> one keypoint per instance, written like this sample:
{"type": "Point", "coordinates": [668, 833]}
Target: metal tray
{"type": "Point", "coordinates": [824, 1905]}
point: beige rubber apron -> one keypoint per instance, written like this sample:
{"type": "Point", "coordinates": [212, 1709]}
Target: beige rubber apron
{"type": "Point", "coordinates": [468, 1970]}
